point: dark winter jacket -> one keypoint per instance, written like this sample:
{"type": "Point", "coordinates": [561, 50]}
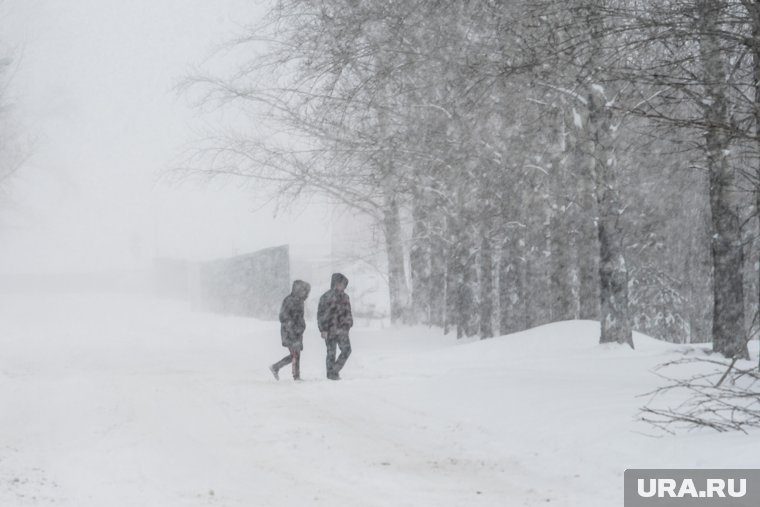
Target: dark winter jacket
{"type": "Point", "coordinates": [291, 316]}
{"type": "Point", "coordinates": [334, 311]}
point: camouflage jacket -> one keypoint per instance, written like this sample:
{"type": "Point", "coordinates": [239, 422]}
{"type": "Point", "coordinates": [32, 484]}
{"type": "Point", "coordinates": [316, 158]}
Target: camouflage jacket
{"type": "Point", "coordinates": [292, 316]}
{"type": "Point", "coordinates": [334, 313]}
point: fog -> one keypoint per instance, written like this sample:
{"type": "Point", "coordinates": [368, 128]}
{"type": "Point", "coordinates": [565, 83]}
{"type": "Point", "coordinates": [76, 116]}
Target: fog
{"type": "Point", "coordinates": [539, 204]}
{"type": "Point", "coordinates": [94, 97]}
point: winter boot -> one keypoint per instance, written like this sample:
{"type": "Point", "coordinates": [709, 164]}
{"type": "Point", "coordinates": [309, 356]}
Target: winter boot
{"type": "Point", "coordinates": [274, 372]}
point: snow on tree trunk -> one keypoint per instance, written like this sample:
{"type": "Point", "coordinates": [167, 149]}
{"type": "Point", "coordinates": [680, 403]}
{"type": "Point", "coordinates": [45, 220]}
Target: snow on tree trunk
{"type": "Point", "coordinates": [486, 281]}
{"type": "Point", "coordinates": [602, 136]}
{"type": "Point", "coordinates": [613, 272]}
{"type": "Point", "coordinates": [459, 293]}
{"type": "Point", "coordinates": [467, 293]}
{"type": "Point", "coordinates": [755, 20]}
{"type": "Point", "coordinates": [397, 285]}
{"type": "Point", "coordinates": [587, 246]}
{"type": "Point", "coordinates": [419, 264]}
{"type": "Point", "coordinates": [728, 290]}
{"type": "Point", "coordinates": [453, 274]}
{"type": "Point", "coordinates": [538, 287]}
{"type": "Point", "coordinates": [511, 285]}
{"type": "Point", "coordinates": [698, 270]}
{"type": "Point", "coordinates": [437, 288]}
{"type": "Point", "coordinates": [561, 233]}
{"type": "Point", "coordinates": [728, 309]}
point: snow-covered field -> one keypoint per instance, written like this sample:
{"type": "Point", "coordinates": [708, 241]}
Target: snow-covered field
{"type": "Point", "coordinates": [116, 401]}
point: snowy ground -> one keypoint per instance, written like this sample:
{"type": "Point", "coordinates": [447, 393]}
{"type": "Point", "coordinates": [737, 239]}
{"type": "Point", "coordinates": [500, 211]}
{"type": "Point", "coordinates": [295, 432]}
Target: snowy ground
{"type": "Point", "coordinates": [114, 401]}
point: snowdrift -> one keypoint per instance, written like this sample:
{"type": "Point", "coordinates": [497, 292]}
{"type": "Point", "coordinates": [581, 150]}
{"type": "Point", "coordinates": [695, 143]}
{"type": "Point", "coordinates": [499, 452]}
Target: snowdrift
{"type": "Point", "coordinates": [116, 401]}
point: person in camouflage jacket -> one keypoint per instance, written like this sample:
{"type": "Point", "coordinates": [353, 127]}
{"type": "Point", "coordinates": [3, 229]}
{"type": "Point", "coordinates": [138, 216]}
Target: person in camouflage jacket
{"type": "Point", "coordinates": [334, 320]}
{"type": "Point", "coordinates": [292, 326]}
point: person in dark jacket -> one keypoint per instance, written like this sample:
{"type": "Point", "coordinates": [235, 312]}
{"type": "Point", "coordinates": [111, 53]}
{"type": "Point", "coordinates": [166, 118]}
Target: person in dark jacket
{"type": "Point", "coordinates": [334, 320]}
{"type": "Point", "coordinates": [291, 329]}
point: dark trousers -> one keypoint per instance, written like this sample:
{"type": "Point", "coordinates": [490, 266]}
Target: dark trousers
{"type": "Point", "coordinates": [333, 342]}
{"type": "Point", "coordinates": [295, 358]}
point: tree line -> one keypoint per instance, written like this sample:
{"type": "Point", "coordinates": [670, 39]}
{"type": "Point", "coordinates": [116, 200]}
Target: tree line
{"type": "Point", "coordinates": [526, 161]}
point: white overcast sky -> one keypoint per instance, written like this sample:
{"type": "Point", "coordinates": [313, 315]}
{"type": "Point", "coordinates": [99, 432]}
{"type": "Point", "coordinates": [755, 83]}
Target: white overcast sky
{"type": "Point", "coordinates": [94, 87]}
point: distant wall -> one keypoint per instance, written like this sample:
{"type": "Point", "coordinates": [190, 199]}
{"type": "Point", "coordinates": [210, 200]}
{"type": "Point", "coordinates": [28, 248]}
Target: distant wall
{"type": "Point", "coordinates": [251, 285]}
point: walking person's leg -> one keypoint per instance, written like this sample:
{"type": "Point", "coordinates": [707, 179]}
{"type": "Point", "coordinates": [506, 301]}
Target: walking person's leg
{"type": "Point", "coordinates": [275, 368]}
{"type": "Point", "coordinates": [296, 354]}
{"type": "Point", "coordinates": [332, 345]}
{"type": "Point", "coordinates": [345, 351]}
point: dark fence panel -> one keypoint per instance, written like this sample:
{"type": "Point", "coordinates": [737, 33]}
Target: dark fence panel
{"type": "Point", "coordinates": [251, 285]}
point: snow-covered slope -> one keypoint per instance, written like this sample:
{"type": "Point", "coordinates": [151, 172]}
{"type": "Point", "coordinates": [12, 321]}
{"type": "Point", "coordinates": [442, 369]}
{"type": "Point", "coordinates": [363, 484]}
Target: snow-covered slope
{"type": "Point", "coordinates": [115, 401]}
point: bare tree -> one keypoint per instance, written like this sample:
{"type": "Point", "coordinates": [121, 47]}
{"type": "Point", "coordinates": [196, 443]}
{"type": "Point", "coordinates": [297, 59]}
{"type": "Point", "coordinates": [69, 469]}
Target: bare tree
{"type": "Point", "coordinates": [721, 397]}
{"type": "Point", "coordinates": [550, 156]}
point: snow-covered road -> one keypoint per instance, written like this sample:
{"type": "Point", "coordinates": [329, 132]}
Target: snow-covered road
{"type": "Point", "coordinates": [117, 401]}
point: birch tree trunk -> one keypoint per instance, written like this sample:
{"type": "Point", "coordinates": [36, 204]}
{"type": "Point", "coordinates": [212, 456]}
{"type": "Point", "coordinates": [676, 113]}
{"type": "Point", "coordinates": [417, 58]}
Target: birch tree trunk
{"type": "Point", "coordinates": [468, 291]}
{"type": "Point", "coordinates": [512, 306]}
{"type": "Point", "coordinates": [419, 263]}
{"type": "Point", "coordinates": [537, 289]}
{"type": "Point", "coordinates": [561, 232]}
{"type": "Point", "coordinates": [437, 287]}
{"type": "Point", "coordinates": [397, 285]}
{"type": "Point", "coordinates": [453, 275]}
{"type": "Point", "coordinates": [511, 298]}
{"type": "Point", "coordinates": [486, 280]}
